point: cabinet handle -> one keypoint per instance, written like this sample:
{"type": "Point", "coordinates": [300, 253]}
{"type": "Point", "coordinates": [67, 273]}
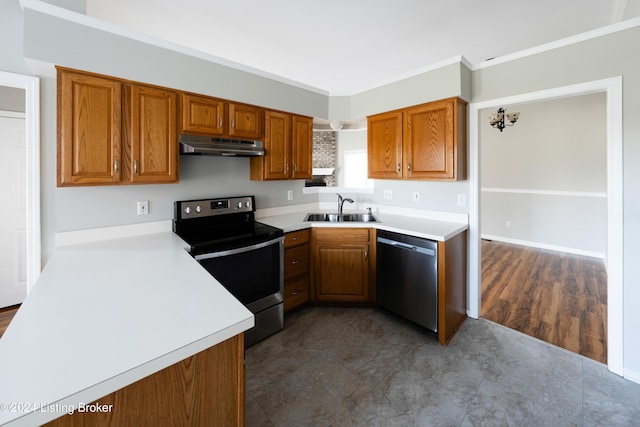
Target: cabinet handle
{"type": "Point", "coordinates": [409, 167]}
{"type": "Point", "coordinates": [286, 168]}
{"type": "Point", "coordinates": [296, 238]}
{"type": "Point", "coordinates": [366, 255]}
{"type": "Point", "coordinates": [295, 167]}
{"type": "Point", "coordinates": [297, 261]}
{"type": "Point", "coordinates": [398, 167]}
{"type": "Point", "coordinates": [135, 167]}
{"type": "Point", "coordinates": [233, 123]}
{"type": "Point", "coordinates": [115, 166]}
{"type": "Point", "coordinates": [220, 121]}
{"type": "Point", "coordinates": [294, 293]}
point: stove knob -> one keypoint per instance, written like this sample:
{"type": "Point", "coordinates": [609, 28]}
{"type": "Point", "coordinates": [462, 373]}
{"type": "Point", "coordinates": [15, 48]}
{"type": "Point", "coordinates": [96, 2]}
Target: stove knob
{"type": "Point", "coordinates": [248, 204]}
{"type": "Point", "coordinates": [187, 210]}
{"type": "Point", "coordinates": [239, 205]}
{"type": "Point", "coordinates": [198, 209]}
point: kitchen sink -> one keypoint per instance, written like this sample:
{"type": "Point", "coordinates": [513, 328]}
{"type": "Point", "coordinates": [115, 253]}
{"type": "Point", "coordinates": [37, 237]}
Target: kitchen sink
{"type": "Point", "coordinates": [333, 217]}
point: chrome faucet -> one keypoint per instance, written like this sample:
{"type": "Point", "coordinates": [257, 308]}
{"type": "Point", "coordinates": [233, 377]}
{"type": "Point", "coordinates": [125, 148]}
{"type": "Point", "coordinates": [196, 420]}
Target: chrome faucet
{"type": "Point", "coordinates": [341, 202]}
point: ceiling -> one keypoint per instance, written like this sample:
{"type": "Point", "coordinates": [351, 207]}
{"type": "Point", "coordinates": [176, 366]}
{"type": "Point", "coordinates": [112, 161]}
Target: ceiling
{"type": "Point", "coordinates": [342, 47]}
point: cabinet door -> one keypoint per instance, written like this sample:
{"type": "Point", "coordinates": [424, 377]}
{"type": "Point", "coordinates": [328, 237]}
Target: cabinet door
{"type": "Point", "coordinates": [277, 144]}
{"type": "Point", "coordinates": [246, 121]}
{"type": "Point", "coordinates": [385, 145]}
{"type": "Point", "coordinates": [152, 140]}
{"type": "Point", "coordinates": [302, 147]}
{"type": "Point", "coordinates": [89, 129]}
{"type": "Point", "coordinates": [429, 141]}
{"type": "Point", "coordinates": [341, 272]}
{"type": "Point", "coordinates": [201, 115]}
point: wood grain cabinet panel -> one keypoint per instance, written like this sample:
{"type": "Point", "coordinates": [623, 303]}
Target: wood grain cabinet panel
{"type": "Point", "coordinates": [201, 115]}
{"type": "Point", "coordinates": [89, 129]}
{"type": "Point", "coordinates": [296, 269]}
{"type": "Point", "coordinates": [385, 145]}
{"type": "Point", "coordinates": [150, 133]}
{"type": "Point", "coordinates": [246, 121]}
{"type": "Point", "coordinates": [302, 147]}
{"type": "Point", "coordinates": [206, 389]}
{"type": "Point", "coordinates": [112, 131]}
{"type": "Point", "coordinates": [426, 141]}
{"type": "Point", "coordinates": [288, 143]}
{"type": "Point", "coordinates": [341, 259]}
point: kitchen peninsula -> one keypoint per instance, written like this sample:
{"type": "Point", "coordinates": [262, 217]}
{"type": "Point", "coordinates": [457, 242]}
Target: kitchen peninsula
{"type": "Point", "coordinates": [134, 323]}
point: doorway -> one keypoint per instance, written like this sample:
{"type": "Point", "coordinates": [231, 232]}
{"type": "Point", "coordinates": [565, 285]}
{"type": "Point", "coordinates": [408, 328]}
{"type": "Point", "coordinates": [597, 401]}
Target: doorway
{"type": "Point", "coordinates": [613, 89]}
{"type": "Point", "coordinates": [543, 220]}
{"type": "Point", "coordinates": [31, 87]}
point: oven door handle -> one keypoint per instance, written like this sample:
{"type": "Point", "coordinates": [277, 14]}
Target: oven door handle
{"type": "Point", "coordinates": [239, 250]}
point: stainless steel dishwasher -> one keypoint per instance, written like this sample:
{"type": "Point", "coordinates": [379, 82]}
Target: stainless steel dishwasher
{"type": "Point", "coordinates": [407, 277]}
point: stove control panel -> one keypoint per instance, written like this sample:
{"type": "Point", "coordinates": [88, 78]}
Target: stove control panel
{"type": "Point", "coordinates": [201, 208]}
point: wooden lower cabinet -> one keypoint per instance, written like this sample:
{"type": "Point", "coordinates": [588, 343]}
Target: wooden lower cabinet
{"type": "Point", "coordinates": [342, 263]}
{"type": "Point", "coordinates": [206, 389]}
{"type": "Point", "coordinates": [296, 269]}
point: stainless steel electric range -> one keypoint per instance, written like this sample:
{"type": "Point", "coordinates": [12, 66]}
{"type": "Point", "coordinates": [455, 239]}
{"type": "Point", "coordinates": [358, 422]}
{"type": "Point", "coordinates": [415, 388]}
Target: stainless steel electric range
{"type": "Point", "coordinates": [245, 256]}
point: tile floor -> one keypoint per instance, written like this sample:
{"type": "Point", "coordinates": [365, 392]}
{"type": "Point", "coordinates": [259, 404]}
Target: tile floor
{"type": "Point", "coordinates": [368, 367]}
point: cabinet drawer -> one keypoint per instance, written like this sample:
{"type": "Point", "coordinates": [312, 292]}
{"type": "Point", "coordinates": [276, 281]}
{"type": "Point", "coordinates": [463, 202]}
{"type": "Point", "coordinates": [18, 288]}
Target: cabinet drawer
{"type": "Point", "coordinates": [296, 293]}
{"type": "Point", "coordinates": [296, 238]}
{"type": "Point", "coordinates": [296, 261]}
{"type": "Point", "coordinates": [341, 234]}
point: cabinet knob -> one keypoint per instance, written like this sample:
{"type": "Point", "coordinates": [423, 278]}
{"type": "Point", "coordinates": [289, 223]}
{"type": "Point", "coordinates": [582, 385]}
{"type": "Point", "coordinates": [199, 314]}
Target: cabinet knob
{"type": "Point", "coordinates": [135, 167]}
{"type": "Point", "coordinates": [220, 121]}
{"type": "Point", "coordinates": [409, 167]}
{"type": "Point", "coordinates": [366, 255]}
{"type": "Point", "coordinates": [233, 123]}
{"type": "Point", "coordinates": [294, 293]}
{"type": "Point", "coordinates": [294, 262]}
{"type": "Point", "coordinates": [398, 167]}
{"type": "Point", "coordinates": [115, 166]}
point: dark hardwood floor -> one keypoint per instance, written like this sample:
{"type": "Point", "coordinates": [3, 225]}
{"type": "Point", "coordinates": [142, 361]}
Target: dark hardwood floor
{"type": "Point", "coordinates": [559, 298]}
{"type": "Point", "coordinates": [6, 315]}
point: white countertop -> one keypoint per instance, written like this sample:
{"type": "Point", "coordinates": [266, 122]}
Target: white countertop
{"type": "Point", "coordinates": [428, 228]}
{"type": "Point", "coordinates": [103, 315]}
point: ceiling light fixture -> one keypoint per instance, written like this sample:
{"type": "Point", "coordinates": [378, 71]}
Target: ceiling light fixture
{"type": "Point", "coordinates": [336, 124]}
{"type": "Point", "coordinates": [497, 120]}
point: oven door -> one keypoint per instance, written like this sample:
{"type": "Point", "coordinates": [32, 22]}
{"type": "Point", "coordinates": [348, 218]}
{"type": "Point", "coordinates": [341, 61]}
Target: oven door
{"type": "Point", "coordinates": [253, 274]}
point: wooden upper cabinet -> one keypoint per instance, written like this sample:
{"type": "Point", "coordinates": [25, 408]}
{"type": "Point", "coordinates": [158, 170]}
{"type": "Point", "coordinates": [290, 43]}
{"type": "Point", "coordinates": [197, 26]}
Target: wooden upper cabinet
{"type": "Point", "coordinates": [151, 134]}
{"type": "Point", "coordinates": [423, 142]}
{"type": "Point", "coordinates": [302, 147]}
{"type": "Point", "coordinates": [288, 141]}
{"type": "Point", "coordinates": [201, 115]}
{"type": "Point", "coordinates": [205, 115]}
{"type": "Point", "coordinates": [277, 145]}
{"type": "Point", "coordinates": [246, 121]}
{"type": "Point", "coordinates": [89, 129]}
{"type": "Point", "coordinates": [384, 141]}
{"type": "Point", "coordinates": [112, 131]}
{"type": "Point", "coordinates": [432, 146]}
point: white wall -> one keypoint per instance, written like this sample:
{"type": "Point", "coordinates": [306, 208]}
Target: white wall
{"type": "Point", "coordinates": [547, 176]}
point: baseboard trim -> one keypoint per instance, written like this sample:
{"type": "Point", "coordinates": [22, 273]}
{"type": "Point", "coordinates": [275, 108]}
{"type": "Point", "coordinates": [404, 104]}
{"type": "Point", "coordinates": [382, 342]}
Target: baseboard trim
{"type": "Point", "coordinates": [632, 376]}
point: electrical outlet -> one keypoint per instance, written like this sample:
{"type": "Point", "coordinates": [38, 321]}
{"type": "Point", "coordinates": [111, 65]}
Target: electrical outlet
{"type": "Point", "coordinates": [289, 194]}
{"type": "Point", "coordinates": [143, 207]}
{"type": "Point", "coordinates": [508, 224]}
{"type": "Point", "coordinates": [462, 200]}
{"type": "Point", "coordinates": [416, 196]}
{"type": "Point", "coordinates": [388, 194]}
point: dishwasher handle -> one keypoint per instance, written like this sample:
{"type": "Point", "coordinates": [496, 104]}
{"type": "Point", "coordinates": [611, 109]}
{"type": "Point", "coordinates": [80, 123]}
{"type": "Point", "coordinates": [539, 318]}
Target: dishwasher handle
{"type": "Point", "coordinates": [406, 246]}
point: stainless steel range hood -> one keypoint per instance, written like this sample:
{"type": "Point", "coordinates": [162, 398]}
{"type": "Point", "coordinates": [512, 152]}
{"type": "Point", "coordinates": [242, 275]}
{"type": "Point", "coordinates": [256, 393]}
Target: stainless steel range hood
{"type": "Point", "coordinates": [205, 145]}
